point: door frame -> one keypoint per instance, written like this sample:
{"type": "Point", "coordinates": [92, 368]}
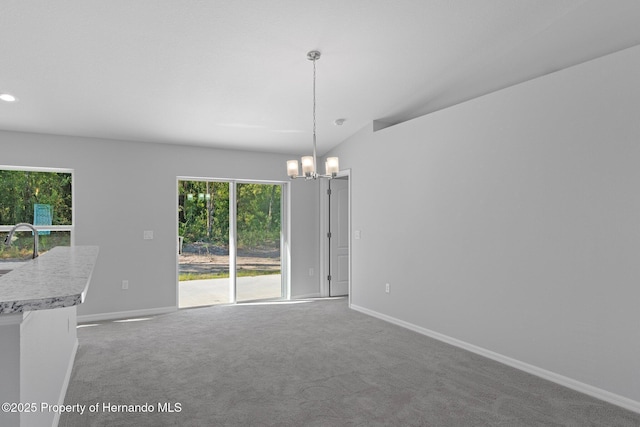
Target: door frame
{"type": "Point", "coordinates": [324, 229]}
{"type": "Point", "coordinates": [285, 232]}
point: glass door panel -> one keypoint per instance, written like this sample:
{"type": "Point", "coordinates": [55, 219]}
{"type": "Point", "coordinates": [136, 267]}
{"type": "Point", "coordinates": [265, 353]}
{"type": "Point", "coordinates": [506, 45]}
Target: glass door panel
{"type": "Point", "coordinates": [258, 228]}
{"type": "Point", "coordinates": [203, 243]}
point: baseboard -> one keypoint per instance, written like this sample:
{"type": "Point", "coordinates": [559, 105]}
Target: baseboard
{"type": "Point", "coordinates": [314, 295]}
{"type": "Point", "coordinates": [65, 384]}
{"type": "Point", "coordinates": [125, 314]}
{"type": "Point", "coordinates": [587, 389]}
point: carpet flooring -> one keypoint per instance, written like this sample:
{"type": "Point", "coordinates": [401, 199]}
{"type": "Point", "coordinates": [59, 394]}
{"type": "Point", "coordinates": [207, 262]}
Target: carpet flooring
{"type": "Point", "coordinates": [307, 363]}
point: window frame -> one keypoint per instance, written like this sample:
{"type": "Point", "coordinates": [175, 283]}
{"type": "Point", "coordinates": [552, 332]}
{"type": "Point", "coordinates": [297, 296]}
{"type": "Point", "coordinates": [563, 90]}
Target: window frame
{"type": "Point", "coordinates": [70, 227]}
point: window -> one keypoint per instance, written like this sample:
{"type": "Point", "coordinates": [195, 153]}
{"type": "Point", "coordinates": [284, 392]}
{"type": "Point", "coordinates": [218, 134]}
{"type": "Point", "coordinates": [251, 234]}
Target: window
{"type": "Point", "coordinates": [42, 197]}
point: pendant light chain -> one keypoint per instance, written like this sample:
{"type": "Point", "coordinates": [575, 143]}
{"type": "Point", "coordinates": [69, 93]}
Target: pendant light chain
{"type": "Point", "coordinates": [315, 167]}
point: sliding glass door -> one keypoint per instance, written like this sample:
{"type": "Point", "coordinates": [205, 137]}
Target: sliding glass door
{"type": "Point", "coordinates": [203, 243]}
{"type": "Point", "coordinates": [258, 228]}
{"type": "Point", "coordinates": [229, 237]}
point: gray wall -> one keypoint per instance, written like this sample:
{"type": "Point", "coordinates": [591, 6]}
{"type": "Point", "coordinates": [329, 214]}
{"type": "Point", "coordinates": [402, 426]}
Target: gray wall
{"type": "Point", "coordinates": [512, 222]}
{"type": "Point", "coordinates": [124, 188]}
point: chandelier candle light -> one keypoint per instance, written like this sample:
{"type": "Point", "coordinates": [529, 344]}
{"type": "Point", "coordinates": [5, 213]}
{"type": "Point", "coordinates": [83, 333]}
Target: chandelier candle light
{"type": "Point", "coordinates": [309, 170]}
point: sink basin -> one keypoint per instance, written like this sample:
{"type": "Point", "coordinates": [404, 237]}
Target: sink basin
{"type": "Point", "coordinates": [7, 266]}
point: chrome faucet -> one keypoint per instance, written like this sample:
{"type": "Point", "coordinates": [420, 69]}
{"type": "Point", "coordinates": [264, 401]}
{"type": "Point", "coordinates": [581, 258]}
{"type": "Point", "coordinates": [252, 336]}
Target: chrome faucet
{"type": "Point", "coordinates": [7, 240]}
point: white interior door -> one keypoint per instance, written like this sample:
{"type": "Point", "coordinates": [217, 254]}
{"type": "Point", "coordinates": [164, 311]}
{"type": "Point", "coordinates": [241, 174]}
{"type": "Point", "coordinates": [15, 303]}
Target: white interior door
{"type": "Point", "coordinates": [339, 237]}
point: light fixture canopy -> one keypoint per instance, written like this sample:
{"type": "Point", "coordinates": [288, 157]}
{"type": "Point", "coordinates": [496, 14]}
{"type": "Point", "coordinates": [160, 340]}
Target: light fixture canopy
{"type": "Point", "coordinates": [309, 163]}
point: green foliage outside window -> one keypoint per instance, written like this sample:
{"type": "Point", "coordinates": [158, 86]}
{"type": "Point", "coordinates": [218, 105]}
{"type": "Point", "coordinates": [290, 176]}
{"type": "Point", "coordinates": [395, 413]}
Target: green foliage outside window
{"type": "Point", "coordinates": [204, 218]}
{"type": "Point", "coordinates": [19, 191]}
{"type": "Point", "coordinates": [204, 213]}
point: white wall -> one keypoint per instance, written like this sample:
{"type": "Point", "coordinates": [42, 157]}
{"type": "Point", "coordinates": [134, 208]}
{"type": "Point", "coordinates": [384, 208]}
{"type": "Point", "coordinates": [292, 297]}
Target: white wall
{"type": "Point", "coordinates": [37, 350]}
{"type": "Point", "coordinates": [10, 366]}
{"type": "Point", "coordinates": [124, 188]}
{"type": "Point", "coordinates": [512, 222]}
{"type": "Point", "coordinates": [48, 343]}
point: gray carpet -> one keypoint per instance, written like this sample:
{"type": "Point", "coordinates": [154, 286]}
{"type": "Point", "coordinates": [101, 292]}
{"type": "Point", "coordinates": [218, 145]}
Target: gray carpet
{"type": "Point", "coordinates": [307, 364]}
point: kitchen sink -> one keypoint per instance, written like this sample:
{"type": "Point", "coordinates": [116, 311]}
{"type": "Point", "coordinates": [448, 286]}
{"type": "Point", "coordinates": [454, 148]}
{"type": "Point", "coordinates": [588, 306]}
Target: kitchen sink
{"type": "Point", "coordinates": [7, 266]}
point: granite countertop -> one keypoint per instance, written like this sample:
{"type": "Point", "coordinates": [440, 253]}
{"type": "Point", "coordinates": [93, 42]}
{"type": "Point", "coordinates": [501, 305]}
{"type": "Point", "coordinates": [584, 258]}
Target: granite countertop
{"type": "Point", "coordinates": [57, 278]}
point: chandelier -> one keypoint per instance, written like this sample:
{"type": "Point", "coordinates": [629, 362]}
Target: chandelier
{"type": "Point", "coordinates": [309, 169]}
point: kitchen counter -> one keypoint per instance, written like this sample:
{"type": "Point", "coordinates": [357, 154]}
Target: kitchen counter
{"type": "Point", "coordinates": [58, 278]}
{"type": "Point", "coordinates": [38, 344]}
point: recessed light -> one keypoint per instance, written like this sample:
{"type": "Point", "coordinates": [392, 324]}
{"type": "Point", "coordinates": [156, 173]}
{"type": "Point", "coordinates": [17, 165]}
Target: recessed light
{"type": "Point", "coordinates": [7, 97]}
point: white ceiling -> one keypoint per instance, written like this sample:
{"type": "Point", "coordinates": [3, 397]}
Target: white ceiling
{"type": "Point", "coordinates": [234, 73]}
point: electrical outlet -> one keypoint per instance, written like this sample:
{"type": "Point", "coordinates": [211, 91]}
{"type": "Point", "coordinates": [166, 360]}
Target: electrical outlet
{"type": "Point", "coordinates": [386, 288]}
{"type": "Point", "coordinates": [125, 285]}
{"type": "Point", "coordinates": [311, 271]}
{"type": "Point", "coordinates": [147, 235]}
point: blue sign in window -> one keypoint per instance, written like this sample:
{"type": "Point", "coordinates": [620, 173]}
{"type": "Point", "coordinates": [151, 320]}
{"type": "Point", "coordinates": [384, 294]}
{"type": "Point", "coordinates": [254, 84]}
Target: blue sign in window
{"type": "Point", "coordinates": [42, 215]}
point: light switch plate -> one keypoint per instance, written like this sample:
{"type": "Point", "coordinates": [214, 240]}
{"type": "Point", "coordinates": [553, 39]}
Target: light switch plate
{"type": "Point", "coordinates": [148, 235]}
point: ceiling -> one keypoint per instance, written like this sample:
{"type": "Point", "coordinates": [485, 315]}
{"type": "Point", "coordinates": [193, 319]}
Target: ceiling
{"type": "Point", "coordinates": [234, 73]}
